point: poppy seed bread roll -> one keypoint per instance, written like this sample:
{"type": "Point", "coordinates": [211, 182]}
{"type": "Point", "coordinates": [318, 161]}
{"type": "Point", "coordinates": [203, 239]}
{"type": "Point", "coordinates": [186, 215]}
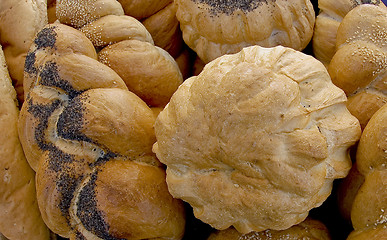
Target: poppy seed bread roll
{"type": "Point", "coordinates": [90, 142]}
{"type": "Point", "coordinates": [214, 28]}
{"type": "Point", "coordinates": [256, 139]}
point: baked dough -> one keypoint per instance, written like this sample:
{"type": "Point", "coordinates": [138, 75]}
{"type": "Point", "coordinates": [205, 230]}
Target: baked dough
{"type": "Point", "coordinates": [256, 139]}
{"type": "Point", "coordinates": [359, 66]}
{"type": "Point", "coordinates": [308, 229]}
{"type": "Point", "coordinates": [214, 28]}
{"type": "Point", "coordinates": [19, 212]}
{"type": "Point", "coordinates": [126, 46]}
{"type": "Point", "coordinates": [90, 139]}
{"type": "Point", "coordinates": [328, 20]}
{"type": "Point", "coordinates": [20, 20]}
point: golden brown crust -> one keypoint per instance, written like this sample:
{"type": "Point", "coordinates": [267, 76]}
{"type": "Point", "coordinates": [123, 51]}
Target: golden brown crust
{"type": "Point", "coordinates": [359, 66]}
{"type": "Point", "coordinates": [21, 218]}
{"type": "Point", "coordinates": [215, 28]}
{"type": "Point", "coordinates": [85, 131]}
{"type": "Point", "coordinates": [262, 131]}
{"type": "Point", "coordinates": [369, 206]}
{"type": "Point", "coordinates": [20, 20]}
{"type": "Point", "coordinates": [165, 30]}
{"type": "Point", "coordinates": [309, 229]}
{"type": "Point", "coordinates": [148, 71]}
{"type": "Point", "coordinates": [328, 20]}
{"type": "Point", "coordinates": [142, 9]}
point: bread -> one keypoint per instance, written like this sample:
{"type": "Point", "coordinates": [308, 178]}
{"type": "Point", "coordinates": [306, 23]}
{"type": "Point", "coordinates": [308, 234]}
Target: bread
{"type": "Point", "coordinates": [308, 229]}
{"type": "Point", "coordinates": [20, 20]}
{"type": "Point", "coordinates": [19, 212]}
{"type": "Point", "coordinates": [359, 66]}
{"type": "Point", "coordinates": [90, 141]}
{"type": "Point", "coordinates": [143, 9]}
{"type": "Point", "coordinates": [328, 20]}
{"type": "Point", "coordinates": [127, 47]}
{"type": "Point", "coordinates": [256, 139]}
{"type": "Point", "coordinates": [215, 28]}
{"type": "Point", "coordinates": [369, 206]}
{"type": "Point", "coordinates": [372, 233]}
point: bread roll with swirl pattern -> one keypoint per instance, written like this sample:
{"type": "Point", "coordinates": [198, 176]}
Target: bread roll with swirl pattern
{"type": "Point", "coordinates": [90, 143]}
{"type": "Point", "coordinates": [256, 139]}
{"type": "Point", "coordinates": [214, 28]}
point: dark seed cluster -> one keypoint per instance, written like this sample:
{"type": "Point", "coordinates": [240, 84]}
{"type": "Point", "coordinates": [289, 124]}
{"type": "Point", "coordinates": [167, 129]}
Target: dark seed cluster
{"type": "Point", "coordinates": [228, 7]}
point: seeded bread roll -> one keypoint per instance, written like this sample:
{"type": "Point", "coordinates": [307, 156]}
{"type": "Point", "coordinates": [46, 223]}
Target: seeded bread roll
{"type": "Point", "coordinates": [359, 66]}
{"type": "Point", "coordinates": [19, 212]}
{"type": "Point", "coordinates": [127, 47]}
{"type": "Point", "coordinates": [20, 20]}
{"type": "Point", "coordinates": [328, 20]}
{"type": "Point", "coordinates": [213, 28]}
{"type": "Point", "coordinates": [256, 139]}
{"type": "Point", "coordinates": [90, 142]}
{"type": "Point", "coordinates": [308, 229]}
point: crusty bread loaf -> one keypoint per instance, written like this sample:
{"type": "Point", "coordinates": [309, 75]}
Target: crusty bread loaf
{"type": "Point", "coordinates": [20, 20]}
{"type": "Point", "coordinates": [328, 20]}
{"type": "Point", "coordinates": [140, 9]}
{"type": "Point", "coordinates": [308, 229]}
{"type": "Point", "coordinates": [359, 66]}
{"type": "Point", "coordinates": [19, 212]}
{"type": "Point", "coordinates": [90, 141]}
{"type": "Point", "coordinates": [256, 139]}
{"type": "Point", "coordinates": [213, 28]}
{"type": "Point", "coordinates": [127, 47]}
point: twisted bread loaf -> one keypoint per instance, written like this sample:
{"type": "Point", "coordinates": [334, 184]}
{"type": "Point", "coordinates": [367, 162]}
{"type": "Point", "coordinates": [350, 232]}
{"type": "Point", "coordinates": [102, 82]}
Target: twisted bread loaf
{"type": "Point", "coordinates": [90, 140]}
{"type": "Point", "coordinates": [126, 46]}
{"type": "Point", "coordinates": [215, 28]}
{"type": "Point", "coordinates": [359, 66]}
{"type": "Point", "coordinates": [328, 20]}
{"type": "Point", "coordinates": [19, 212]}
{"type": "Point", "coordinates": [20, 20]}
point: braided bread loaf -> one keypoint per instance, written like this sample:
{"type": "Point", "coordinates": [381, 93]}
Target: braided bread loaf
{"type": "Point", "coordinates": [328, 20]}
{"type": "Point", "coordinates": [126, 46]}
{"type": "Point", "coordinates": [20, 20]}
{"type": "Point", "coordinates": [90, 141]}
{"type": "Point", "coordinates": [359, 66]}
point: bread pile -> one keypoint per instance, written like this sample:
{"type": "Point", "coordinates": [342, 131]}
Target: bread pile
{"type": "Point", "coordinates": [121, 121]}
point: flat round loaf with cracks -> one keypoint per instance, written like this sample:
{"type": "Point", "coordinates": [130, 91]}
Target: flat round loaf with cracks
{"type": "Point", "coordinates": [90, 139]}
{"type": "Point", "coordinates": [256, 139]}
{"type": "Point", "coordinates": [214, 28]}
